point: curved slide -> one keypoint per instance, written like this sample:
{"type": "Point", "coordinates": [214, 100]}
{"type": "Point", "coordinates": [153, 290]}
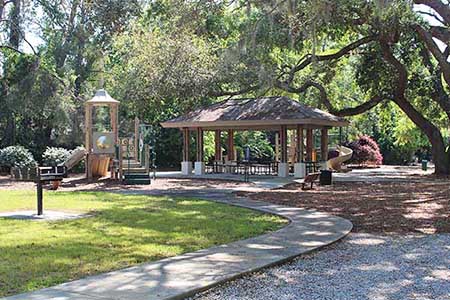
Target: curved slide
{"type": "Point", "coordinates": [344, 155]}
{"type": "Point", "coordinates": [76, 156]}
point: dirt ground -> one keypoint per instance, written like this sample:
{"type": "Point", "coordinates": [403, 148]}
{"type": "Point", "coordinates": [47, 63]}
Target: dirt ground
{"type": "Point", "coordinates": [385, 207]}
{"type": "Point", "coordinates": [78, 182]}
{"type": "Point", "coordinates": [393, 207]}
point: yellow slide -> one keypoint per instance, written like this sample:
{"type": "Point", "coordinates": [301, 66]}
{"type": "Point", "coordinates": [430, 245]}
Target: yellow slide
{"type": "Point", "coordinates": [76, 156]}
{"type": "Point", "coordinates": [344, 155]}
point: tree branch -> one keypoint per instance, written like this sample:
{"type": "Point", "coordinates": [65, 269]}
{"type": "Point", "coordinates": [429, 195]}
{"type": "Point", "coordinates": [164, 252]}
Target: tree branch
{"type": "Point", "coordinates": [345, 112]}
{"type": "Point", "coordinates": [431, 131]}
{"type": "Point", "coordinates": [440, 33]}
{"type": "Point", "coordinates": [436, 17]}
{"type": "Point", "coordinates": [426, 37]}
{"type": "Point", "coordinates": [234, 93]}
{"type": "Point", "coordinates": [438, 94]}
{"type": "Point", "coordinates": [309, 58]}
{"type": "Point", "coordinates": [11, 48]}
{"type": "Point", "coordinates": [441, 8]}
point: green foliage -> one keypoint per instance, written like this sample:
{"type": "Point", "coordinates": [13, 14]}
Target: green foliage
{"type": "Point", "coordinates": [54, 156]}
{"type": "Point", "coordinates": [16, 156]}
{"type": "Point", "coordinates": [33, 109]}
{"type": "Point", "coordinates": [163, 58]}
{"type": "Point", "coordinates": [261, 150]}
{"type": "Point", "coordinates": [158, 76]}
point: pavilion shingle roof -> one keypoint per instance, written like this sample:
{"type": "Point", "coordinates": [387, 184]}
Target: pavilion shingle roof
{"type": "Point", "coordinates": [263, 111]}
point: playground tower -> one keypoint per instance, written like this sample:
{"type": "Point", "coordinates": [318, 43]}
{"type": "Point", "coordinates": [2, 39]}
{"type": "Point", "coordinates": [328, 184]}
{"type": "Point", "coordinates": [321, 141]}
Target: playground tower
{"type": "Point", "coordinates": [100, 142]}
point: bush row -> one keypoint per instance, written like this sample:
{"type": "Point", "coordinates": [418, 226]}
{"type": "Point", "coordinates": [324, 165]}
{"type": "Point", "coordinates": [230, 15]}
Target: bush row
{"type": "Point", "coordinates": [20, 157]}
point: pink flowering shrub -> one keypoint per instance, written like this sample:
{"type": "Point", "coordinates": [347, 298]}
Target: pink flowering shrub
{"type": "Point", "coordinates": [365, 151]}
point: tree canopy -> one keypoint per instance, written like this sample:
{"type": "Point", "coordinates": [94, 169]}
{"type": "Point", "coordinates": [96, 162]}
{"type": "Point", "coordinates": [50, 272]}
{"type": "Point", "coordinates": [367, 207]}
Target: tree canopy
{"type": "Point", "coordinates": [384, 64]}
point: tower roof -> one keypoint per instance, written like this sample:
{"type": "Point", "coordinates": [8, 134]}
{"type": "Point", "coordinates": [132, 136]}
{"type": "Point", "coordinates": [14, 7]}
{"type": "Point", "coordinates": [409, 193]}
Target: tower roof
{"type": "Point", "coordinates": [102, 97]}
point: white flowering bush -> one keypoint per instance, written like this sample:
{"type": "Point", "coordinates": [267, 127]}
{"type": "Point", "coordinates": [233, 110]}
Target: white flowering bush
{"type": "Point", "coordinates": [54, 156]}
{"type": "Point", "coordinates": [16, 156]}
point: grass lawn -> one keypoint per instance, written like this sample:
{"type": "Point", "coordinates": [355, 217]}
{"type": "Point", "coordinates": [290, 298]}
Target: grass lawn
{"type": "Point", "coordinates": [125, 230]}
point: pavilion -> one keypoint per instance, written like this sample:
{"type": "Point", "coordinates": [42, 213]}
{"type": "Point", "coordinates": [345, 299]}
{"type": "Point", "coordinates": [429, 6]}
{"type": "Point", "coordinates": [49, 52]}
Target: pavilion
{"type": "Point", "coordinates": [278, 114]}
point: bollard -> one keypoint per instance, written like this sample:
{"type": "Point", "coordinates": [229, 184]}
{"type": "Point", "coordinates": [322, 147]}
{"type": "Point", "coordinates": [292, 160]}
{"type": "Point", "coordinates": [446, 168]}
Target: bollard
{"type": "Point", "coordinates": [39, 198]}
{"type": "Point", "coordinates": [424, 164]}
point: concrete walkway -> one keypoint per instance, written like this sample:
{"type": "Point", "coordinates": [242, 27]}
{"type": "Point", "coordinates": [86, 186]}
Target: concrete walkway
{"type": "Point", "coordinates": [184, 275]}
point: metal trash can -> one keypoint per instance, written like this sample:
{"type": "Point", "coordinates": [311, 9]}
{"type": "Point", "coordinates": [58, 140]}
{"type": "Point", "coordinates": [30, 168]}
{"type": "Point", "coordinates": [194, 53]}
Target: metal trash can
{"type": "Point", "coordinates": [424, 164]}
{"type": "Point", "coordinates": [325, 177]}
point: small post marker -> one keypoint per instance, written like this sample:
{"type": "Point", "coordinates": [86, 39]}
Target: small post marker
{"type": "Point", "coordinates": [39, 194]}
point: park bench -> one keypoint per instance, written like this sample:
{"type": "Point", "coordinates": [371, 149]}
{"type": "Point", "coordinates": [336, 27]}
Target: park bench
{"type": "Point", "coordinates": [310, 178]}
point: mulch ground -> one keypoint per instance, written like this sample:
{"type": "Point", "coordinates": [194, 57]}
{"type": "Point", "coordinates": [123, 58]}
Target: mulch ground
{"type": "Point", "coordinates": [394, 207]}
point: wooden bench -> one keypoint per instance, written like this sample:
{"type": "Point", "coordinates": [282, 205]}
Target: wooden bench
{"type": "Point", "coordinates": [310, 178]}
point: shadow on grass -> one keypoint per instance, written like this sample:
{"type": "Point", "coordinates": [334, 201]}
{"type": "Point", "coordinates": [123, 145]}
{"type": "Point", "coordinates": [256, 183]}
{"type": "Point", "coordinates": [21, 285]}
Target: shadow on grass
{"type": "Point", "coordinates": [132, 229]}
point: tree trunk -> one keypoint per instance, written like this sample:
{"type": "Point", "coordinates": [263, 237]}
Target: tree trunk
{"type": "Point", "coordinates": [438, 151]}
{"type": "Point", "coordinates": [15, 33]}
{"type": "Point", "coordinates": [10, 134]}
{"type": "Point", "coordinates": [440, 157]}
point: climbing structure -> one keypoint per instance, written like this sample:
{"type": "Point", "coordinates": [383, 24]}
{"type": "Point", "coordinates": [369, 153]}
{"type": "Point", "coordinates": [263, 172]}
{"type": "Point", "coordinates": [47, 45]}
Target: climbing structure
{"type": "Point", "coordinates": [127, 158]}
{"type": "Point", "coordinates": [135, 157]}
{"type": "Point", "coordinates": [100, 143]}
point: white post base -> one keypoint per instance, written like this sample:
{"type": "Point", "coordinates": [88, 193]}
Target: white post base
{"type": "Point", "coordinates": [299, 170]}
{"type": "Point", "coordinates": [283, 170]}
{"type": "Point", "coordinates": [323, 165]}
{"type": "Point", "coordinates": [186, 167]}
{"type": "Point", "coordinates": [199, 168]}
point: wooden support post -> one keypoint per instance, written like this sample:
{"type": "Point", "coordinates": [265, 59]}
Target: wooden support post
{"type": "Point", "coordinates": [299, 141]}
{"type": "Point", "coordinates": [120, 163]}
{"type": "Point", "coordinates": [217, 146]}
{"type": "Point", "coordinates": [283, 140]}
{"type": "Point", "coordinates": [231, 145]}
{"type": "Point", "coordinates": [88, 126]}
{"type": "Point", "coordinates": [185, 144]}
{"type": "Point", "coordinates": [88, 140]}
{"type": "Point", "coordinates": [309, 144]}
{"type": "Point", "coordinates": [147, 158]}
{"type": "Point", "coordinates": [200, 157]}
{"type": "Point", "coordinates": [89, 164]}
{"type": "Point", "coordinates": [324, 144]}
{"type": "Point", "coordinates": [277, 146]}
{"type": "Point", "coordinates": [114, 117]}
{"type": "Point", "coordinates": [136, 138]}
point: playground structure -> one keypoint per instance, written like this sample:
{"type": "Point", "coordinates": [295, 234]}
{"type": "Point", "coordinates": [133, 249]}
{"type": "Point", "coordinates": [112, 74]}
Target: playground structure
{"type": "Point", "coordinates": [335, 163]}
{"type": "Point", "coordinates": [128, 158]}
{"type": "Point", "coordinates": [332, 164]}
{"type": "Point", "coordinates": [100, 145]}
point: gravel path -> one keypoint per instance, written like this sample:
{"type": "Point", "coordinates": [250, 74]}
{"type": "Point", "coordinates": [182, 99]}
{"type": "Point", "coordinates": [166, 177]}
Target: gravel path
{"type": "Point", "coordinates": [362, 266]}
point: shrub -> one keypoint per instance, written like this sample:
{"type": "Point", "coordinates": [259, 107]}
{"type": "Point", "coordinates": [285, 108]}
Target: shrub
{"type": "Point", "coordinates": [365, 150]}
{"type": "Point", "coordinates": [54, 156]}
{"type": "Point", "coordinates": [16, 156]}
